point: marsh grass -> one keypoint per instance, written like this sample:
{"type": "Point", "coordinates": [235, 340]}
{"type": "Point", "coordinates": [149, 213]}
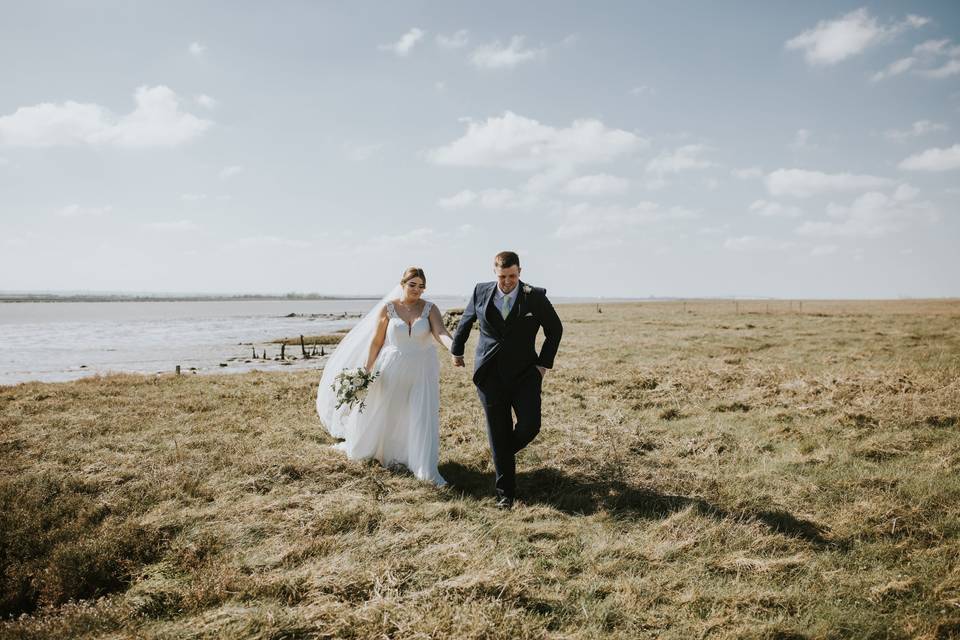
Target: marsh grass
{"type": "Point", "coordinates": [700, 473]}
{"type": "Point", "coordinates": [323, 339]}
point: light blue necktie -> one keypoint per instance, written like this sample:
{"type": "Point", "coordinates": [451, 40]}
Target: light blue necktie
{"type": "Point", "coordinates": [506, 307]}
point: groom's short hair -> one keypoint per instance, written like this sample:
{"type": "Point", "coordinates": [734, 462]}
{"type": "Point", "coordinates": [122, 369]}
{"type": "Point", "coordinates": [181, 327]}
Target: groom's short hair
{"type": "Point", "coordinates": [506, 259]}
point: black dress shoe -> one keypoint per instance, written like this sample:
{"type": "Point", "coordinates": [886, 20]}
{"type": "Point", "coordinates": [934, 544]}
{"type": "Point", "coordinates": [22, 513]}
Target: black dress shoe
{"type": "Point", "coordinates": [504, 503]}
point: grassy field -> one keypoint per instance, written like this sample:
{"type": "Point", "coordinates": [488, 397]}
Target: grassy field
{"type": "Point", "coordinates": [774, 473]}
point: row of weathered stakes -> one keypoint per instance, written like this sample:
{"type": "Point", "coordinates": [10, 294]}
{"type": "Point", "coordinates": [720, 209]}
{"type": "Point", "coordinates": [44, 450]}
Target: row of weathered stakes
{"type": "Point", "coordinates": [306, 355]}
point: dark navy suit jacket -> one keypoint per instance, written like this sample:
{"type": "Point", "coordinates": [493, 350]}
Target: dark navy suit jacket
{"type": "Point", "coordinates": [509, 343]}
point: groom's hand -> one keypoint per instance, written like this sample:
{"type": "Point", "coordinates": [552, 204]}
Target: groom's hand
{"type": "Point", "coordinates": [458, 361]}
{"type": "Point", "coordinates": [543, 371]}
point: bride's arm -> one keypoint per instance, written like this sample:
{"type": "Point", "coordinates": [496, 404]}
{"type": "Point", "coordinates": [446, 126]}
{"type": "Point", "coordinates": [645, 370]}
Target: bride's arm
{"type": "Point", "coordinates": [378, 339]}
{"type": "Point", "coordinates": [438, 329]}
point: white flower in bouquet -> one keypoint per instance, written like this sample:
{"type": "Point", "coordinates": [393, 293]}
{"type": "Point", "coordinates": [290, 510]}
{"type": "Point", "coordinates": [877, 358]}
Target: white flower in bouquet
{"type": "Point", "coordinates": [351, 386]}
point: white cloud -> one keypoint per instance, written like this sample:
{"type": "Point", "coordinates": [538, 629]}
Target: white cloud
{"type": "Point", "coordinates": [228, 172]}
{"type": "Point", "coordinates": [926, 55]}
{"type": "Point", "coordinates": [950, 68]}
{"type": "Point", "coordinates": [872, 214]}
{"type": "Point", "coordinates": [775, 209]}
{"type": "Point", "coordinates": [587, 220]}
{"type": "Point", "coordinates": [265, 242]}
{"type": "Point", "coordinates": [193, 197]}
{"type": "Point", "coordinates": [641, 90]}
{"type": "Point", "coordinates": [905, 192]}
{"type": "Point", "coordinates": [497, 56]}
{"type": "Point", "coordinates": [75, 210]}
{"type": "Point", "coordinates": [801, 183]}
{"type": "Point", "coordinates": [935, 159]}
{"type": "Point", "coordinates": [917, 129]}
{"type": "Point", "coordinates": [824, 250]}
{"type": "Point", "coordinates": [362, 152]}
{"type": "Point", "coordinates": [177, 225]}
{"type": "Point", "coordinates": [458, 200]}
{"type": "Point", "coordinates": [522, 144]}
{"type": "Point", "coordinates": [681, 159]}
{"type": "Point", "coordinates": [197, 49]}
{"type": "Point", "coordinates": [421, 237]}
{"type": "Point", "coordinates": [894, 69]}
{"type": "Point", "coordinates": [406, 43]}
{"type": "Point", "coordinates": [756, 243]}
{"type": "Point", "coordinates": [747, 173]}
{"type": "Point", "coordinates": [157, 121]}
{"type": "Point", "coordinates": [490, 199]}
{"type": "Point", "coordinates": [456, 40]}
{"type": "Point", "coordinates": [207, 102]}
{"type": "Point", "coordinates": [832, 41]}
{"type": "Point", "coordinates": [712, 184]}
{"type": "Point", "coordinates": [713, 230]}
{"type": "Point", "coordinates": [597, 185]}
{"type": "Point", "coordinates": [932, 48]}
{"type": "Point", "coordinates": [801, 141]}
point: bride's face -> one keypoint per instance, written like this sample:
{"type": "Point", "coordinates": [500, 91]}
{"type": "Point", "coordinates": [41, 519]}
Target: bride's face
{"type": "Point", "coordinates": [413, 288]}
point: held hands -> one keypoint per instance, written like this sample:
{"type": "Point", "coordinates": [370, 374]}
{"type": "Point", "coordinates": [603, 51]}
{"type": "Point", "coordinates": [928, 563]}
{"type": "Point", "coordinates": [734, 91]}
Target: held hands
{"type": "Point", "coordinates": [543, 371]}
{"type": "Point", "coordinates": [457, 361]}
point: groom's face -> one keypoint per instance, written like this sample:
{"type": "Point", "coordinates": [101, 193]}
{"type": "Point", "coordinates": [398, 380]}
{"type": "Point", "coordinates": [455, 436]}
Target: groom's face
{"type": "Point", "coordinates": [507, 278]}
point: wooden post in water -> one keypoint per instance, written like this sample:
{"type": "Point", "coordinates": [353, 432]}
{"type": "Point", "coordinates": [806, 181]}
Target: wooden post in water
{"type": "Point", "coordinates": [321, 351]}
{"type": "Point", "coordinates": [178, 369]}
{"type": "Point", "coordinates": [254, 353]}
{"type": "Point", "coordinates": [283, 349]}
{"type": "Point", "coordinates": [303, 347]}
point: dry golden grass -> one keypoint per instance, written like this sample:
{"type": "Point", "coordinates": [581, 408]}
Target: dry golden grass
{"type": "Point", "coordinates": [700, 473]}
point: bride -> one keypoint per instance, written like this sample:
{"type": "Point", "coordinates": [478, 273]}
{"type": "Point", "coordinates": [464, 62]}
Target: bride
{"type": "Point", "coordinates": [401, 420]}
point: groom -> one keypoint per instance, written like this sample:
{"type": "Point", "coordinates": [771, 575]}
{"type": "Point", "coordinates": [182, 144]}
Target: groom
{"type": "Point", "coordinates": [508, 372]}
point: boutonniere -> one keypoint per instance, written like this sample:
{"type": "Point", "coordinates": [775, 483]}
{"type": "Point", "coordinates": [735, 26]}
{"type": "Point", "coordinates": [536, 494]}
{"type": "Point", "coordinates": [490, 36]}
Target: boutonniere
{"type": "Point", "coordinates": [527, 289]}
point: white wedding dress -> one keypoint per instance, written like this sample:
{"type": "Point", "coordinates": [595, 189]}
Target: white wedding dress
{"type": "Point", "coordinates": [400, 423]}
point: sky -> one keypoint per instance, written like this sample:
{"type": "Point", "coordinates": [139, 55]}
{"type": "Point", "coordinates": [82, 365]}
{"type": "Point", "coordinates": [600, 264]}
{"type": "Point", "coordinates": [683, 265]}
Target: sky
{"type": "Point", "coordinates": [623, 149]}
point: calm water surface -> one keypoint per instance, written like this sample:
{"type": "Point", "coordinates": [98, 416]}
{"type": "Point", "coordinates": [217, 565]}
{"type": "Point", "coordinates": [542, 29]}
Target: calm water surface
{"type": "Point", "coordinates": [55, 341]}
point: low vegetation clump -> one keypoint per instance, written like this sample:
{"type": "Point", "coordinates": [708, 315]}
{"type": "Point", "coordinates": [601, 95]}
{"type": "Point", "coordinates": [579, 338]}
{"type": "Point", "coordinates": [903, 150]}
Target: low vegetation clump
{"type": "Point", "coordinates": [325, 339]}
{"type": "Point", "coordinates": [703, 470]}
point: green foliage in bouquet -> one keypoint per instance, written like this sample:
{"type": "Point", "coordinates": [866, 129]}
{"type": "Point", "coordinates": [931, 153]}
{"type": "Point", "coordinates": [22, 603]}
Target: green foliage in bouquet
{"type": "Point", "coordinates": [351, 386]}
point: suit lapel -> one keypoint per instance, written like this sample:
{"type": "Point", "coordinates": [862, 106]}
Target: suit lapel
{"type": "Point", "coordinates": [490, 310]}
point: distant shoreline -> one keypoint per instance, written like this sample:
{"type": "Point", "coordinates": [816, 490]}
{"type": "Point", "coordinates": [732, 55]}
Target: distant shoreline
{"type": "Point", "coordinates": [172, 298]}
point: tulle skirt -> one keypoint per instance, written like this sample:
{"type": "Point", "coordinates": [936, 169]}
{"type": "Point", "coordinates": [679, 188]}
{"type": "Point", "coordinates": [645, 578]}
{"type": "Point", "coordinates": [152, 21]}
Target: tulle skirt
{"type": "Point", "coordinates": [400, 423]}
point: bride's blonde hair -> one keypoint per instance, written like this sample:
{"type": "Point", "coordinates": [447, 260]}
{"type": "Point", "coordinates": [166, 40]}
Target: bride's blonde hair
{"type": "Point", "coordinates": [411, 273]}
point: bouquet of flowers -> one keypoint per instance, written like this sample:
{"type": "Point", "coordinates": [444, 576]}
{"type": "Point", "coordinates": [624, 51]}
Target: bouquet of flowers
{"type": "Point", "coordinates": [351, 386]}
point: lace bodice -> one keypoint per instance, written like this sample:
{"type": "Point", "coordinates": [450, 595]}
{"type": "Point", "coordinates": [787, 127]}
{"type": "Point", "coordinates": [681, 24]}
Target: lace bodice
{"type": "Point", "coordinates": [409, 337]}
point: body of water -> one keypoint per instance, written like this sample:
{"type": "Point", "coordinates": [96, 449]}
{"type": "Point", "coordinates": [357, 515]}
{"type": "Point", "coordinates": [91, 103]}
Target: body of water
{"type": "Point", "coordinates": [56, 341]}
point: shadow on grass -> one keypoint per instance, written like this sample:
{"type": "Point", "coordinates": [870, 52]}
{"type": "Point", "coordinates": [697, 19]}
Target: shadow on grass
{"type": "Point", "coordinates": [577, 495]}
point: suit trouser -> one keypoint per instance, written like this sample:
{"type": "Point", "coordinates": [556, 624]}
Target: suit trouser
{"type": "Point", "coordinates": [500, 400]}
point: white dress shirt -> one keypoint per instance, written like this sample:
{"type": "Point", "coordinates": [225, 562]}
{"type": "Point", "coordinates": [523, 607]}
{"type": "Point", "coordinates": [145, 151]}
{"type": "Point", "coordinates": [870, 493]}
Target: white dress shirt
{"type": "Point", "coordinates": [499, 295]}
